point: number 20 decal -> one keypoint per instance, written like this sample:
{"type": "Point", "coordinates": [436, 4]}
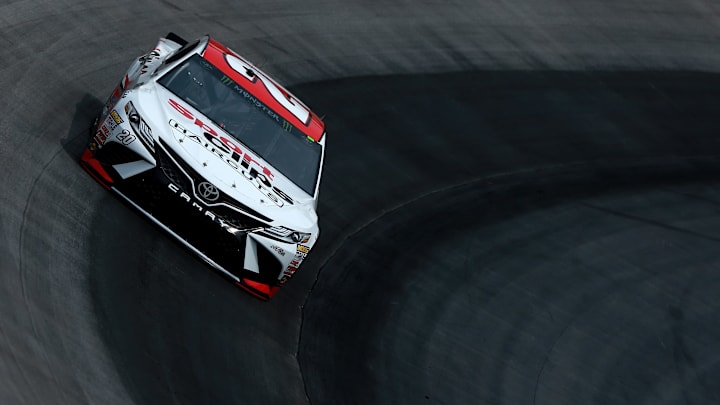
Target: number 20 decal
{"type": "Point", "coordinates": [285, 99]}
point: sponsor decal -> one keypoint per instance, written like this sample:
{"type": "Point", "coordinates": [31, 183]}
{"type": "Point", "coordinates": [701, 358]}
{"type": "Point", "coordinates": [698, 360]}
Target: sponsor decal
{"type": "Point", "coordinates": [278, 249]}
{"type": "Point", "coordinates": [297, 260]}
{"type": "Point", "coordinates": [189, 115]}
{"type": "Point", "coordinates": [254, 101]}
{"type": "Point", "coordinates": [116, 117]}
{"type": "Point", "coordinates": [226, 80]}
{"type": "Point", "coordinates": [100, 138]}
{"type": "Point", "coordinates": [105, 130]}
{"type": "Point", "coordinates": [295, 107]}
{"type": "Point", "coordinates": [154, 54]}
{"type": "Point", "coordinates": [147, 59]}
{"type": "Point", "coordinates": [226, 149]}
{"type": "Point", "coordinates": [289, 271]}
{"type": "Point", "coordinates": [110, 121]}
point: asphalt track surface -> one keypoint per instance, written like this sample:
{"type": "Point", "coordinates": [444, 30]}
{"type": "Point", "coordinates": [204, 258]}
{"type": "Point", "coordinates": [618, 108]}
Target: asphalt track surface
{"type": "Point", "coordinates": [520, 206]}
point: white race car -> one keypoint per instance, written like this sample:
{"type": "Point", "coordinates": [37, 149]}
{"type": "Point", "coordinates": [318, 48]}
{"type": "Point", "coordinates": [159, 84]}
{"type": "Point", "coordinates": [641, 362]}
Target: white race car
{"type": "Point", "coordinates": [219, 155]}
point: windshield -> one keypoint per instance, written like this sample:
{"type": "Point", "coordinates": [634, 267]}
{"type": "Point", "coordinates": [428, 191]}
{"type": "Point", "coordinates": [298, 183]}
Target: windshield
{"type": "Point", "coordinates": [248, 120]}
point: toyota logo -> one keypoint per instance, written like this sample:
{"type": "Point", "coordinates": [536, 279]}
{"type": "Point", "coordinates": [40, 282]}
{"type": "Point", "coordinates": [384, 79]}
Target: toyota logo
{"type": "Point", "coordinates": [208, 192]}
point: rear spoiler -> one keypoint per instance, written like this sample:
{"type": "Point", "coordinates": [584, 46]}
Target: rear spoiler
{"type": "Point", "coordinates": [176, 38]}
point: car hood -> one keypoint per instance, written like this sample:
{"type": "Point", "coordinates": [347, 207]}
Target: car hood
{"type": "Point", "coordinates": [213, 154]}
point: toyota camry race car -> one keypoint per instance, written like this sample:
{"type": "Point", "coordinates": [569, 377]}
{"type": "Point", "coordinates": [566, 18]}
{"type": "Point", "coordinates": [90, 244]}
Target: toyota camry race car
{"type": "Point", "coordinates": [216, 153]}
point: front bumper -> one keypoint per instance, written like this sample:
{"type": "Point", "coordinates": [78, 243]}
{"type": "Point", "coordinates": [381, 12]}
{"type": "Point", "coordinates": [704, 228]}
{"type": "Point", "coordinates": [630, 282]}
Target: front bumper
{"type": "Point", "coordinates": [163, 194]}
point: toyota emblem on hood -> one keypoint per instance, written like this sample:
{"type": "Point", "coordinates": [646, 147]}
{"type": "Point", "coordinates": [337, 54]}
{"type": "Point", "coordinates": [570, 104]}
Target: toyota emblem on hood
{"type": "Point", "coordinates": [208, 192]}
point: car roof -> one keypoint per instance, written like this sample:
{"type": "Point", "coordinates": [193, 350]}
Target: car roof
{"type": "Point", "coordinates": [265, 89]}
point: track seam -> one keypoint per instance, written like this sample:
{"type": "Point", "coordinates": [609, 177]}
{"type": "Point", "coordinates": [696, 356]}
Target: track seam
{"type": "Point", "coordinates": [21, 271]}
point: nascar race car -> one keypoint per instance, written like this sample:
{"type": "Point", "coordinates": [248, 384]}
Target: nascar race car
{"type": "Point", "coordinates": [216, 153]}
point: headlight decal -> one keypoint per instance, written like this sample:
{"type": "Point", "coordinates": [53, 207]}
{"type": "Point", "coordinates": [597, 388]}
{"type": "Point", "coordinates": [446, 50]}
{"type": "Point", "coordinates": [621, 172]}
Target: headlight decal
{"type": "Point", "coordinates": [139, 126]}
{"type": "Point", "coordinates": [288, 235]}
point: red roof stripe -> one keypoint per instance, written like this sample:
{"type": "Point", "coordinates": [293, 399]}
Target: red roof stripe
{"type": "Point", "coordinates": [215, 54]}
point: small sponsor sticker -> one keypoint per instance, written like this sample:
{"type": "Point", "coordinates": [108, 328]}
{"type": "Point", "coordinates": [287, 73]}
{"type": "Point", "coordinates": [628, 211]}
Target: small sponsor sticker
{"type": "Point", "coordinates": [110, 123]}
{"type": "Point", "coordinates": [278, 249]}
{"type": "Point", "coordinates": [100, 138]}
{"type": "Point", "coordinates": [116, 117]}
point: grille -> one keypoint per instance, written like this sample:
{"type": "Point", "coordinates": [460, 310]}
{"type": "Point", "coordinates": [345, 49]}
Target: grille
{"type": "Point", "coordinates": [232, 211]}
{"type": "Point", "coordinates": [171, 171]}
{"type": "Point", "coordinates": [150, 191]}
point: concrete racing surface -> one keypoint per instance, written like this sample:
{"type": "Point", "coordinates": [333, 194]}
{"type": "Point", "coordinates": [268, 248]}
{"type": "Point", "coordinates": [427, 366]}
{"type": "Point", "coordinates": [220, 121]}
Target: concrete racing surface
{"type": "Point", "coordinates": [520, 205]}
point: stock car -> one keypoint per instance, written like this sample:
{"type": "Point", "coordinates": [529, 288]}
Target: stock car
{"type": "Point", "coordinates": [217, 154]}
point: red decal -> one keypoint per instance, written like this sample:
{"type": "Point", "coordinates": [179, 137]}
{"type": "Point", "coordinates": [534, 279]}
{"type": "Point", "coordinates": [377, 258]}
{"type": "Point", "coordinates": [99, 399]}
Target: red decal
{"type": "Point", "coordinates": [266, 90]}
{"type": "Point", "coordinates": [204, 127]}
{"type": "Point", "coordinates": [230, 144]}
{"type": "Point", "coordinates": [267, 172]}
{"type": "Point", "coordinates": [100, 138]}
{"type": "Point", "coordinates": [247, 159]}
{"type": "Point", "coordinates": [187, 114]}
{"type": "Point", "coordinates": [182, 110]}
